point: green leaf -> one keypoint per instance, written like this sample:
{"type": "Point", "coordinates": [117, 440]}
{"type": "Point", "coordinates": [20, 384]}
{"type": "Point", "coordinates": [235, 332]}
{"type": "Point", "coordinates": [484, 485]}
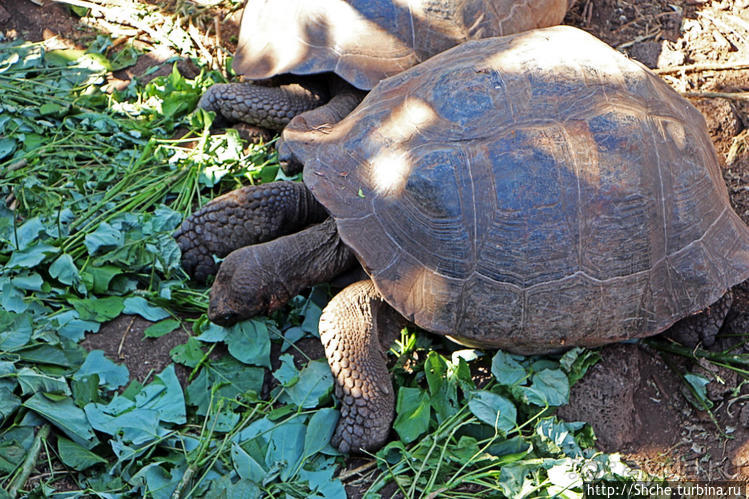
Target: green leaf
{"type": "Point", "coordinates": [314, 385]}
{"type": "Point", "coordinates": [54, 109]}
{"type": "Point", "coordinates": [165, 396]}
{"type": "Point", "coordinates": [177, 103]}
{"type": "Point", "coordinates": [246, 466]}
{"type": "Point", "coordinates": [189, 354]}
{"type": "Point", "coordinates": [224, 487]}
{"type": "Point", "coordinates": [577, 361]}
{"type": "Point", "coordinates": [699, 385]}
{"type": "Point", "coordinates": [29, 232]}
{"type": "Point", "coordinates": [105, 237]}
{"type": "Point", "coordinates": [85, 390]}
{"type": "Point", "coordinates": [14, 444]}
{"type": "Point", "coordinates": [30, 281]}
{"type": "Point", "coordinates": [76, 457]}
{"type": "Point", "coordinates": [213, 333]}
{"type": "Point", "coordinates": [32, 381]}
{"type": "Point", "coordinates": [319, 430]}
{"type": "Point", "coordinates": [287, 374]}
{"type": "Point", "coordinates": [111, 375]}
{"type": "Point", "coordinates": [69, 325]}
{"type": "Point", "coordinates": [70, 356]}
{"type": "Point", "coordinates": [63, 57]}
{"type": "Point", "coordinates": [101, 277]}
{"type": "Point", "coordinates": [323, 483]}
{"type": "Point", "coordinates": [8, 403]}
{"type": "Point", "coordinates": [66, 416]}
{"type": "Point", "coordinates": [412, 409]}
{"type": "Point", "coordinates": [64, 270]}
{"type": "Point", "coordinates": [159, 483]}
{"type": "Point", "coordinates": [15, 329]}
{"type": "Point", "coordinates": [118, 418]}
{"type": "Point", "coordinates": [249, 342]}
{"type": "Point", "coordinates": [7, 370]}
{"type": "Point", "coordinates": [11, 298]}
{"type": "Point", "coordinates": [7, 147]}
{"type": "Point", "coordinates": [161, 328]}
{"type": "Point", "coordinates": [230, 378]}
{"type": "Point", "coordinates": [557, 437]}
{"type": "Point", "coordinates": [494, 410]}
{"type": "Point", "coordinates": [507, 370]}
{"type": "Point", "coordinates": [286, 448]}
{"type": "Point", "coordinates": [125, 57]}
{"type": "Point", "coordinates": [549, 386]}
{"type": "Point", "coordinates": [139, 305]}
{"type": "Point", "coordinates": [98, 309]}
{"type": "Point", "coordinates": [31, 257]}
{"type": "Point", "coordinates": [443, 391]}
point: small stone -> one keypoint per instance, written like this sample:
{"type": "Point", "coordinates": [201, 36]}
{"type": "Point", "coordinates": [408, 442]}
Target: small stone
{"type": "Point", "coordinates": [744, 416]}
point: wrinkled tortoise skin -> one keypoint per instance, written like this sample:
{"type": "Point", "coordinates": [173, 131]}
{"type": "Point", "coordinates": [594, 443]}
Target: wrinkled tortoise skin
{"type": "Point", "coordinates": [517, 193]}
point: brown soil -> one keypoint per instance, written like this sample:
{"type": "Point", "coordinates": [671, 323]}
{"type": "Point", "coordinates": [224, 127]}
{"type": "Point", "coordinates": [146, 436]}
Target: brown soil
{"type": "Point", "coordinates": [633, 398]}
{"type": "Point", "coordinates": [122, 341]}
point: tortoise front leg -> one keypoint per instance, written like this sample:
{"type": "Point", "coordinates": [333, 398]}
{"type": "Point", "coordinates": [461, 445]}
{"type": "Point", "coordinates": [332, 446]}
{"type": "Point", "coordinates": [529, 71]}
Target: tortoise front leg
{"type": "Point", "coordinates": [268, 107]}
{"type": "Point", "coordinates": [356, 329]}
{"type": "Point", "coordinates": [245, 216]}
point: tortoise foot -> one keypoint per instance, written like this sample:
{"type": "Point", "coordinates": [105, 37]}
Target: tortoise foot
{"type": "Point", "coordinates": [361, 427]}
{"type": "Point", "coordinates": [702, 328]}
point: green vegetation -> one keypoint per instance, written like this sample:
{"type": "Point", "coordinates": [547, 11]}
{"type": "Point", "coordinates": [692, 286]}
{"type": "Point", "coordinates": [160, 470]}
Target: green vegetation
{"type": "Point", "coordinates": [93, 185]}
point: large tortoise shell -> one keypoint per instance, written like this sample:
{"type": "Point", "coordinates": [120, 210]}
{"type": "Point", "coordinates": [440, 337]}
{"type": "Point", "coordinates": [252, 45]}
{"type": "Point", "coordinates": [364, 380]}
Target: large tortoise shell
{"type": "Point", "coordinates": [531, 192]}
{"type": "Point", "coordinates": [364, 41]}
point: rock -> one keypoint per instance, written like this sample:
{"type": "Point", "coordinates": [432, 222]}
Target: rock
{"type": "Point", "coordinates": [604, 398]}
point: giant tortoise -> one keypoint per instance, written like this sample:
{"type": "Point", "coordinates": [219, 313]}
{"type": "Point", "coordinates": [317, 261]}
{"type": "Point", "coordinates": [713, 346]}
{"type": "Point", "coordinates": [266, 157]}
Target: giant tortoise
{"type": "Point", "coordinates": [530, 192]}
{"type": "Point", "coordinates": [361, 41]}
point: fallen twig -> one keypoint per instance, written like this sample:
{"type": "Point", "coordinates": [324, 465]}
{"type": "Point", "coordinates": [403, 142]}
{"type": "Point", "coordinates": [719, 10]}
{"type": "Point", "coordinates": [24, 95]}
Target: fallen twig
{"type": "Point", "coordinates": [715, 66]}
{"type": "Point", "coordinates": [360, 469]}
{"type": "Point", "coordinates": [718, 95]}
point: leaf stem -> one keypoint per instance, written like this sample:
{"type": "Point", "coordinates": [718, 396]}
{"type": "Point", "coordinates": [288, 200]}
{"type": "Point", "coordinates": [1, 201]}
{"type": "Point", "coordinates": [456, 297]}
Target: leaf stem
{"type": "Point", "coordinates": [28, 463]}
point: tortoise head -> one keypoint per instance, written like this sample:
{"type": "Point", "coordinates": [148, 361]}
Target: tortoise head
{"type": "Point", "coordinates": [244, 289]}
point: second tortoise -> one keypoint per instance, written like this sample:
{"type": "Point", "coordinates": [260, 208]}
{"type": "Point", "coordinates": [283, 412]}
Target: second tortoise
{"type": "Point", "coordinates": [530, 193]}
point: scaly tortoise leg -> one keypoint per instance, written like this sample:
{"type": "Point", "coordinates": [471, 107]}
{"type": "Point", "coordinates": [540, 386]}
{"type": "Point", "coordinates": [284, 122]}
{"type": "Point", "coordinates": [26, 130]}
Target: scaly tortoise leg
{"type": "Point", "coordinates": [245, 216]}
{"type": "Point", "coordinates": [702, 327]}
{"type": "Point", "coordinates": [356, 328]}
{"type": "Point", "coordinates": [267, 107]}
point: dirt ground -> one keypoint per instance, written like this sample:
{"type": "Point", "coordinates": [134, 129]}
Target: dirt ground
{"type": "Point", "coordinates": [633, 398]}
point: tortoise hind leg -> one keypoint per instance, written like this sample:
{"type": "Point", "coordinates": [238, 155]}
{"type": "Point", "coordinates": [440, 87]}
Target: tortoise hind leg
{"type": "Point", "coordinates": [356, 328]}
{"type": "Point", "coordinates": [702, 328]}
{"type": "Point", "coordinates": [245, 216]}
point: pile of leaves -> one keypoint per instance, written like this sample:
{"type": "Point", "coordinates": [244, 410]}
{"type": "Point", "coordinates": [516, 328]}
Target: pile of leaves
{"type": "Point", "coordinates": [93, 185]}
